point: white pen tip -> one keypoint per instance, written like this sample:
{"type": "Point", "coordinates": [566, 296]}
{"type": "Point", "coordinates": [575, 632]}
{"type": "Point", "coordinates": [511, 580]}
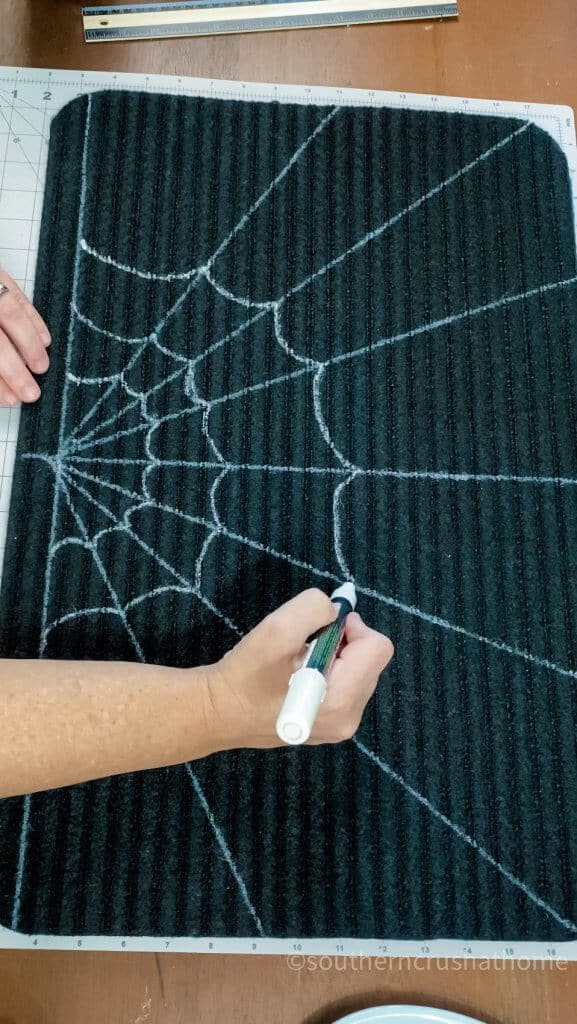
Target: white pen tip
{"type": "Point", "coordinates": [346, 590]}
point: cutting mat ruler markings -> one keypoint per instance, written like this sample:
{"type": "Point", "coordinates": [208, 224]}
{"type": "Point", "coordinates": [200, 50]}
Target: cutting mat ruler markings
{"type": "Point", "coordinates": [204, 17]}
{"type": "Point", "coordinates": [29, 98]}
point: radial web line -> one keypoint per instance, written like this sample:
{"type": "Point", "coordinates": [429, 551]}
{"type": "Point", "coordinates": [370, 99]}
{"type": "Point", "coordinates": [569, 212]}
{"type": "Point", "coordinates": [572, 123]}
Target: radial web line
{"type": "Point", "coordinates": [105, 395]}
{"type": "Point", "coordinates": [224, 849]}
{"type": "Point", "coordinates": [368, 237]}
{"type": "Point", "coordinates": [81, 207]}
{"type": "Point", "coordinates": [183, 275]}
{"type": "Point", "coordinates": [78, 442]}
{"type": "Point", "coordinates": [67, 474]}
{"type": "Point", "coordinates": [27, 804]}
{"type": "Point", "coordinates": [499, 645]}
{"type": "Point", "coordinates": [133, 603]}
{"type": "Point", "coordinates": [123, 527]}
{"type": "Point", "coordinates": [400, 606]}
{"type": "Point", "coordinates": [231, 336]}
{"type": "Point", "coordinates": [102, 570]}
{"type": "Point", "coordinates": [447, 321]}
{"type": "Point", "coordinates": [411, 610]}
{"type": "Point", "coordinates": [105, 483]}
{"type": "Point", "coordinates": [263, 467]}
{"type": "Point", "coordinates": [21, 865]}
{"type": "Point", "coordinates": [95, 441]}
{"type": "Point", "coordinates": [466, 838]}
{"type": "Point", "coordinates": [23, 844]}
{"type": "Point", "coordinates": [313, 366]}
{"type": "Point", "coordinates": [346, 356]}
{"type": "Point", "coordinates": [144, 395]}
{"type": "Point", "coordinates": [397, 338]}
{"type": "Point", "coordinates": [153, 335]}
{"type": "Point", "coordinates": [377, 232]}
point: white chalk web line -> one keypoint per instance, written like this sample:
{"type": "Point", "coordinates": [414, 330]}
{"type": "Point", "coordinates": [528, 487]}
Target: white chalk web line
{"type": "Point", "coordinates": [470, 841]}
{"type": "Point", "coordinates": [71, 464]}
{"type": "Point", "coordinates": [63, 479]}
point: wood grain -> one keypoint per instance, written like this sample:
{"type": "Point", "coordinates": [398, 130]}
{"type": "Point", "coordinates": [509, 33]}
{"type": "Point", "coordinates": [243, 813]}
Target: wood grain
{"type": "Point", "coordinates": [514, 50]}
{"type": "Point", "coordinates": [141, 988]}
{"type": "Point", "coordinates": [517, 50]}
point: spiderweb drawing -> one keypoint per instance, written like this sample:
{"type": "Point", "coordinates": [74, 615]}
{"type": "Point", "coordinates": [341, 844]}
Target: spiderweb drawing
{"type": "Point", "coordinates": [169, 434]}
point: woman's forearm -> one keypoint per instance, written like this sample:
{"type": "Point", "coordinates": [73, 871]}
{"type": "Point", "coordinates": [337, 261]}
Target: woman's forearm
{"type": "Point", "coordinates": [67, 722]}
{"type": "Point", "coordinates": [63, 722]}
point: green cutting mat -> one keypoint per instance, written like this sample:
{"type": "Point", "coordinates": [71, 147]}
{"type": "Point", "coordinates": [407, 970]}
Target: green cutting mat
{"type": "Point", "coordinates": [294, 344]}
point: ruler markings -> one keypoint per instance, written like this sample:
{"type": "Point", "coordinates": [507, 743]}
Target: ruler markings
{"type": "Point", "coordinates": [153, 21]}
{"type": "Point", "coordinates": [232, 27]}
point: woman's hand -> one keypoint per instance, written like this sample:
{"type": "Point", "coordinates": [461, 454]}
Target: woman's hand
{"type": "Point", "coordinates": [64, 722]}
{"type": "Point", "coordinates": [246, 688]}
{"type": "Point", "coordinates": [24, 338]}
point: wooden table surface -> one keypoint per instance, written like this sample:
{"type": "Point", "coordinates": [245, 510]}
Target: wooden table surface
{"type": "Point", "coordinates": [505, 49]}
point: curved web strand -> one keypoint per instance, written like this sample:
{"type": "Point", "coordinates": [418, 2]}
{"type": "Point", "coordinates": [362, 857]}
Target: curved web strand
{"type": "Point", "coordinates": [91, 450]}
{"type": "Point", "coordinates": [94, 445]}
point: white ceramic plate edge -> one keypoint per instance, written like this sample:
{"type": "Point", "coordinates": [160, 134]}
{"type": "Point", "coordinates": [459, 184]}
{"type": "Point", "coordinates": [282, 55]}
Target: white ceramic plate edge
{"type": "Point", "coordinates": [405, 1015]}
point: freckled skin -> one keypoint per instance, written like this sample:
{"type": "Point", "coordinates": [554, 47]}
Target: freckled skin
{"type": "Point", "coordinates": [67, 722]}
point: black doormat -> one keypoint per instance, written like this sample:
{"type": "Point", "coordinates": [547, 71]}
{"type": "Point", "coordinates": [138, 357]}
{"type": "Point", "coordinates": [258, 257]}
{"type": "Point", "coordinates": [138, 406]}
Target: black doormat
{"type": "Point", "coordinates": [294, 344]}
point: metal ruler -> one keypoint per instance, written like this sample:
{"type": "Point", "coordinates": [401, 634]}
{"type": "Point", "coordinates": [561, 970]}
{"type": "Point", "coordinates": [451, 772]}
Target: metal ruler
{"type": "Point", "coordinates": [205, 17]}
{"type": "Point", "coordinates": [29, 98]}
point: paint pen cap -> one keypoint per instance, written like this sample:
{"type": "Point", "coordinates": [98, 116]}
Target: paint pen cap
{"type": "Point", "coordinates": [305, 695]}
{"type": "Point", "coordinates": [346, 590]}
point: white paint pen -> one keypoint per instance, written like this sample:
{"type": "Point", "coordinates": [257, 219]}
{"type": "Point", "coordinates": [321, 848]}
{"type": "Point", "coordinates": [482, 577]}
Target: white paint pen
{"type": "Point", "coordinates": [308, 685]}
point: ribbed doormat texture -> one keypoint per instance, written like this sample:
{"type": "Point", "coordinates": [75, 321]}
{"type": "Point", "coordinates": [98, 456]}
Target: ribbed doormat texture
{"type": "Point", "coordinates": [294, 344]}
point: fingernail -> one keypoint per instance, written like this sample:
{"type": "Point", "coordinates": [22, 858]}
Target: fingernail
{"type": "Point", "coordinates": [45, 336]}
{"type": "Point", "coordinates": [31, 393]}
